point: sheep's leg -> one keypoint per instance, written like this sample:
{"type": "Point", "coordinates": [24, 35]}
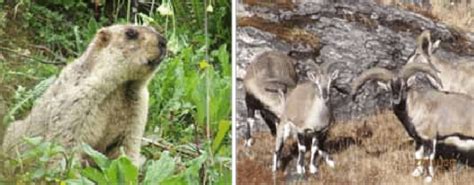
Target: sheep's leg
{"type": "Point", "coordinates": [278, 147]}
{"type": "Point", "coordinates": [301, 151]}
{"type": "Point", "coordinates": [313, 168]}
{"type": "Point", "coordinates": [419, 169]}
{"type": "Point", "coordinates": [327, 158]}
{"type": "Point", "coordinates": [250, 122]}
{"type": "Point", "coordinates": [271, 120]}
{"type": "Point", "coordinates": [431, 155]}
{"type": "Point", "coordinates": [248, 134]}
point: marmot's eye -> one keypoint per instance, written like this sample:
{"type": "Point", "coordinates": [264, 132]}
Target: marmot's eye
{"type": "Point", "coordinates": [131, 34]}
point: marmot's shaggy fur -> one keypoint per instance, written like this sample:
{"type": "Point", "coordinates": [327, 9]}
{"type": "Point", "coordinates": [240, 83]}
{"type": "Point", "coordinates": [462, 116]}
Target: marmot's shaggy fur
{"type": "Point", "coordinates": [100, 99]}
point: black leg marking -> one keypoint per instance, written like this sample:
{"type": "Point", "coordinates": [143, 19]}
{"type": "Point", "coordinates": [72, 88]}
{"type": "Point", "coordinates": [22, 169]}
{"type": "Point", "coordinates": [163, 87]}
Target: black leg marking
{"type": "Point", "coordinates": [301, 151]}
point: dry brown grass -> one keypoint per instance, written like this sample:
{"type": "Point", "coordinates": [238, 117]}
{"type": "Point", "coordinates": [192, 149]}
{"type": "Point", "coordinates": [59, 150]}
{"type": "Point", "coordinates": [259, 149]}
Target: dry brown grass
{"type": "Point", "coordinates": [375, 150]}
{"type": "Point", "coordinates": [459, 15]}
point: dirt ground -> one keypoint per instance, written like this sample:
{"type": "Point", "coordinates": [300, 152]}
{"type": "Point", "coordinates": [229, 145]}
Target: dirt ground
{"type": "Point", "coordinates": [372, 150]}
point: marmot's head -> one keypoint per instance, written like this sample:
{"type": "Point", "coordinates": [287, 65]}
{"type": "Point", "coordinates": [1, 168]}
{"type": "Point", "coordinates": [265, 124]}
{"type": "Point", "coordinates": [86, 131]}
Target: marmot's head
{"type": "Point", "coordinates": [134, 52]}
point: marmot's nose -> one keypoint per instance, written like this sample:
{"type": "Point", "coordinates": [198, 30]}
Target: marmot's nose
{"type": "Point", "coordinates": [162, 42]}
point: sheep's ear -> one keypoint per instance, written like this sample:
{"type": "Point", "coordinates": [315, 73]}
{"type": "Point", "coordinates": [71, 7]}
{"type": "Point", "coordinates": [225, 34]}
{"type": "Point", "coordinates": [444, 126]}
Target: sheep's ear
{"type": "Point", "coordinates": [385, 86]}
{"type": "Point", "coordinates": [411, 81]}
{"type": "Point", "coordinates": [281, 96]}
{"type": "Point", "coordinates": [435, 83]}
{"type": "Point", "coordinates": [312, 77]}
{"type": "Point", "coordinates": [435, 46]}
{"type": "Point", "coordinates": [334, 74]}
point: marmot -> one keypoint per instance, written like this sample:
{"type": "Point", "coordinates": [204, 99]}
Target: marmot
{"type": "Point", "coordinates": [100, 99]}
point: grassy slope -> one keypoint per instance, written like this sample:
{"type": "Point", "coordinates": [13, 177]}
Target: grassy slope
{"type": "Point", "coordinates": [374, 150]}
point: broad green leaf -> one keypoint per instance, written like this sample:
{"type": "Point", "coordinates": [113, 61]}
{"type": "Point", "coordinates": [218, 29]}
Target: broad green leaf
{"type": "Point", "coordinates": [122, 172]}
{"type": "Point", "coordinates": [94, 175]}
{"type": "Point", "coordinates": [193, 168]}
{"type": "Point", "coordinates": [81, 181]}
{"type": "Point", "coordinates": [224, 127]}
{"type": "Point", "coordinates": [159, 170]}
{"type": "Point", "coordinates": [188, 176]}
{"type": "Point", "coordinates": [179, 179]}
{"type": "Point", "coordinates": [224, 60]}
{"type": "Point", "coordinates": [100, 159]}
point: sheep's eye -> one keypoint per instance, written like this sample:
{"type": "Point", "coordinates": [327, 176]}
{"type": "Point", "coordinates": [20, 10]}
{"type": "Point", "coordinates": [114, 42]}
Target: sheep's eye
{"type": "Point", "coordinates": [131, 34]}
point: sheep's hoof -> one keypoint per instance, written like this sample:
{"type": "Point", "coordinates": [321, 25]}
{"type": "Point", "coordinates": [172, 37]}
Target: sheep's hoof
{"type": "Point", "coordinates": [428, 179]}
{"type": "Point", "coordinates": [248, 142]}
{"type": "Point", "coordinates": [276, 163]}
{"type": "Point", "coordinates": [331, 163]}
{"type": "Point", "coordinates": [313, 169]}
{"type": "Point", "coordinates": [417, 172]}
{"type": "Point", "coordinates": [300, 169]}
{"type": "Point", "coordinates": [274, 168]}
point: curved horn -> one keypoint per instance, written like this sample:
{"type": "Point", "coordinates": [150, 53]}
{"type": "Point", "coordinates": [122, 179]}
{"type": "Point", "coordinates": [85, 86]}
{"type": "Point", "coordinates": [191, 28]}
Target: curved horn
{"type": "Point", "coordinates": [424, 45]}
{"type": "Point", "coordinates": [371, 74]}
{"type": "Point", "coordinates": [410, 69]}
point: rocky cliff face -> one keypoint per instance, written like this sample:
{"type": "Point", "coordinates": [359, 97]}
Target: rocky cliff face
{"type": "Point", "coordinates": [359, 35]}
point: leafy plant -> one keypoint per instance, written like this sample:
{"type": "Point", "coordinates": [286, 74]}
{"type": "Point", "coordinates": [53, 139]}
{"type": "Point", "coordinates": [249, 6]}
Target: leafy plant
{"type": "Point", "coordinates": [118, 171]}
{"type": "Point", "coordinates": [24, 98]}
{"type": "Point", "coordinates": [36, 164]}
{"type": "Point", "coordinates": [158, 171]}
{"type": "Point", "coordinates": [189, 115]}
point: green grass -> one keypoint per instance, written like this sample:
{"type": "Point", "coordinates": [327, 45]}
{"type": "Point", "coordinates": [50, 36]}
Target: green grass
{"type": "Point", "coordinates": [190, 96]}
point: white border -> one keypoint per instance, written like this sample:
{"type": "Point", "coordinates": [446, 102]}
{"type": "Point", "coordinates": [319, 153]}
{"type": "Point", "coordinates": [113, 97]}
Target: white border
{"type": "Point", "coordinates": [233, 63]}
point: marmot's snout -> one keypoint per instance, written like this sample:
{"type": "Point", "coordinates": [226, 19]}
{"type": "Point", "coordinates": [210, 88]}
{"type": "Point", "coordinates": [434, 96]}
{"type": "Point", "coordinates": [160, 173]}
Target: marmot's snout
{"type": "Point", "coordinates": [162, 42]}
{"type": "Point", "coordinates": [162, 47]}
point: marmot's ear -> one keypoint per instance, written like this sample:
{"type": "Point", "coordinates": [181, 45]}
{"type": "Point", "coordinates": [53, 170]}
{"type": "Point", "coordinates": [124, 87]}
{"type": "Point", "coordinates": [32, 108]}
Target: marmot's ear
{"type": "Point", "coordinates": [103, 38]}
